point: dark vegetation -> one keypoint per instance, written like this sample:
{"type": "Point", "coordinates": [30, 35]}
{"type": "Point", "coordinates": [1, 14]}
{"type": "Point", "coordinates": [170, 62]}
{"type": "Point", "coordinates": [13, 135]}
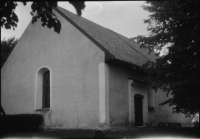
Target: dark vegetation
{"type": "Point", "coordinates": [134, 133]}
{"type": "Point", "coordinates": [21, 123]}
{"type": "Point", "coordinates": [6, 48]}
{"type": "Point", "coordinates": [40, 10]}
{"type": "Point", "coordinates": [174, 24]}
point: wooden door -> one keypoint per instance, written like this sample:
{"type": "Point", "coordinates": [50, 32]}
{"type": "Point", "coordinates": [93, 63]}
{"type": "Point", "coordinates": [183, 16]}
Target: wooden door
{"type": "Point", "coordinates": [138, 110]}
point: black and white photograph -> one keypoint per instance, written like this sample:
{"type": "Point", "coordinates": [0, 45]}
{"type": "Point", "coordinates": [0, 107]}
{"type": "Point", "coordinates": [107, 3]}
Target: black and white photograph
{"type": "Point", "coordinates": [100, 69]}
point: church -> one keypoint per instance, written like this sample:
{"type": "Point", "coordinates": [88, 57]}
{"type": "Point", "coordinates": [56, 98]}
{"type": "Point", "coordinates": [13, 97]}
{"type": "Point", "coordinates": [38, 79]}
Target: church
{"type": "Point", "coordinates": [87, 77]}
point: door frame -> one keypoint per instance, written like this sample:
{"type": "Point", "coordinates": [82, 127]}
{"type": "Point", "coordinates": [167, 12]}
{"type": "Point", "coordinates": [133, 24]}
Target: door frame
{"type": "Point", "coordinates": [131, 84]}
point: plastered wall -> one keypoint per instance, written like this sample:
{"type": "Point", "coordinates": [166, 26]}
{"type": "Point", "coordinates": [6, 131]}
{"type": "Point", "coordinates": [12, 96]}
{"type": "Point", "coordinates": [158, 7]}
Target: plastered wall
{"type": "Point", "coordinates": [73, 61]}
{"type": "Point", "coordinates": [122, 87]}
{"type": "Point", "coordinates": [164, 113]}
{"type": "Point", "coordinates": [119, 96]}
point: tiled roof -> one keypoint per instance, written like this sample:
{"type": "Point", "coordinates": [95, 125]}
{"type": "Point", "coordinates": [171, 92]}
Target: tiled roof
{"type": "Point", "coordinates": [117, 46]}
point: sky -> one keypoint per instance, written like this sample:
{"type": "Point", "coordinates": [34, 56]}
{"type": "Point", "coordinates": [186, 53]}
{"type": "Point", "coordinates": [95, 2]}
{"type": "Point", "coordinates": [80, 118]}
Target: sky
{"type": "Point", "coordinates": [123, 17]}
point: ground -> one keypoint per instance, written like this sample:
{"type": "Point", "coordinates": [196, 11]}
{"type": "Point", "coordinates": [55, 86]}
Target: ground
{"type": "Point", "coordinates": [134, 133]}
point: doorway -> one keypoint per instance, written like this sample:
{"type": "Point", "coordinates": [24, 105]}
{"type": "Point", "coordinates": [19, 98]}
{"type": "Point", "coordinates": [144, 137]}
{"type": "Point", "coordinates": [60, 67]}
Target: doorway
{"type": "Point", "coordinates": [138, 99]}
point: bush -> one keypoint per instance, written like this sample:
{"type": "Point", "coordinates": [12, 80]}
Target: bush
{"type": "Point", "coordinates": [23, 122]}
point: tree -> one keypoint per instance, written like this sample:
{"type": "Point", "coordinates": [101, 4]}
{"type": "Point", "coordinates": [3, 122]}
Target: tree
{"type": "Point", "coordinates": [43, 10]}
{"type": "Point", "coordinates": [174, 24]}
{"type": "Point", "coordinates": [6, 48]}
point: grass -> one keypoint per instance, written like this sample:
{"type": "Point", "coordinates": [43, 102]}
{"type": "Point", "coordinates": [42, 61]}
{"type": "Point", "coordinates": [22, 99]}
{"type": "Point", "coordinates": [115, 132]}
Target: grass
{"type": "Point", "coordinates": [134, 133]}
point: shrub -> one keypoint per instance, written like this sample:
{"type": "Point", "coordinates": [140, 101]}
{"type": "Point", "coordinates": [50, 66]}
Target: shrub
{"type": "Point", "coordinates": [23, 122]}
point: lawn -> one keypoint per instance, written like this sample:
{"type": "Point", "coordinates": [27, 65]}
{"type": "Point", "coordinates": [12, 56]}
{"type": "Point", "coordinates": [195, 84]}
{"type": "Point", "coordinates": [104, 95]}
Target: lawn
{"type": "Point", "coordinates": [133, 133]}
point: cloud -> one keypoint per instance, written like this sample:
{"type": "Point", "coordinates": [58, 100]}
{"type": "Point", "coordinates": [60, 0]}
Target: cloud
{"type": "Point", "coordinates": [93, 7]}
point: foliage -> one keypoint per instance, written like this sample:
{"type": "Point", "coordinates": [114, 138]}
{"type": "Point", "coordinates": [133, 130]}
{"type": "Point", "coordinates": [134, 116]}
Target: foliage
{"type": "Point", "coordinates": [6, 48]}
{"type": "Point", "coordinates": [40, 10]}
{"type": "Point", "coordinates": [174, 24]}
{"type": "Point", "coordinates": [23, 122]}
{"type": "Point", "coordinates": [195, 119]}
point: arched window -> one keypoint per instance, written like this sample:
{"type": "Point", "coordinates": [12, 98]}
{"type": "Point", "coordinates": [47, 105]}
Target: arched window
{"type": "Point", "coordinates": [46, 90]}
{"type": "Point", "coordinates": [43, 89]}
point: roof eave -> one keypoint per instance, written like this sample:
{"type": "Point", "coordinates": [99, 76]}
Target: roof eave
{"type": "Point", "coordinates": [125, 64]}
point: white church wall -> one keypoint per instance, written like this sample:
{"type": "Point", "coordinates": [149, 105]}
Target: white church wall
{"type": "Point", "coordinates": [73, 60]}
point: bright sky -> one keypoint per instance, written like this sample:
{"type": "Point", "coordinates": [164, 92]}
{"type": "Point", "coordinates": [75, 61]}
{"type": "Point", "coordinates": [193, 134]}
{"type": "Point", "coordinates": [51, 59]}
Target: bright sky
{"type": "Point", "coordinates": [123, 17]}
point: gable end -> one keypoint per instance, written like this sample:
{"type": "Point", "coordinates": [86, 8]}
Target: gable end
{"type": "Point", "coordinates": [108, 54]}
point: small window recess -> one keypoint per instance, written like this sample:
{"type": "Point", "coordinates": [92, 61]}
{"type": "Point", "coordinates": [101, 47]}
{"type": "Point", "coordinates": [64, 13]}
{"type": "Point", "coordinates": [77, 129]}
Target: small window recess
{"type": "Point", "coordinates": [43, 91]}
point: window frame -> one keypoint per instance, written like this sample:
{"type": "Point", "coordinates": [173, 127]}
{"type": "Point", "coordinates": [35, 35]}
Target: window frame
{"type": "Point", "coordinates": [39, 89]}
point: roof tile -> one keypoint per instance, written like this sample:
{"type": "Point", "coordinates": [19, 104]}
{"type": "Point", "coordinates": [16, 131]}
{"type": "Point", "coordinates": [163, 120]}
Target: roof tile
{"type": "Point", "coordinates": [119, 46]}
